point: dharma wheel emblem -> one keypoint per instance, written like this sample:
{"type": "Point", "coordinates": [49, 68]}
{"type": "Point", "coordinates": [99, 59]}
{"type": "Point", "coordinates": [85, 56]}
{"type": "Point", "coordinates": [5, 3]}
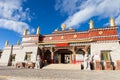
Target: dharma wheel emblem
{"type": "Point", "coordinates": [62, 37]}
{"type": "Point", "coordinates": [75, 36]}
{"type": "Point", "coordinates": [50, 38]}
{"type": "Point", "coordinates": [100, 32]}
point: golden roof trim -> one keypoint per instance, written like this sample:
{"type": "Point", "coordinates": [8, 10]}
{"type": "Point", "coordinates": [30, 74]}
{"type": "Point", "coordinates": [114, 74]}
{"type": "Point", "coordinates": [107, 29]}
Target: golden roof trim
{"type": "Point", "coordinates": [85, 40]}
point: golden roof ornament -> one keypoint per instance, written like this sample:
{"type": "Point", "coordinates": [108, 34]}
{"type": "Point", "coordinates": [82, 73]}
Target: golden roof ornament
{"type": "Point", "coordinates": [63, 26]}
{"type": "Point", "coordinates": [6, 43]}
{"type": "Point", "coordinates": [56, 29]}
{"type": "Point", "coordinates": [18, 43]}
{"type": "Point", "coordinates": [38, 30]}
{"type": "Point", "coordinates": [70, 28]}
{"type": "Point", "coordinates": [25, 32]}
{"type": "Point", "coordinates": [91, 24]}
{"type": "Point", "coordinates": [112, 21]}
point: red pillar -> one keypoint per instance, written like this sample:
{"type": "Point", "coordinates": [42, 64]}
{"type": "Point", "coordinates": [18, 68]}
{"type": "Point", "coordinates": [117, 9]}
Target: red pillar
{"type": "Point", "coordinates": [42, 57]}
{"type": "Point", "coordinates": [74, 59]}
{"type": "Point", "coordinates": [52, 58]}
{"type": "Point", "coordinates": [52, 61]}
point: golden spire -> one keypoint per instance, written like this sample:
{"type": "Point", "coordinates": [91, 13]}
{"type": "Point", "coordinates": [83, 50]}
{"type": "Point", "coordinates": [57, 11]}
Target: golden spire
{"type": "Point", "coordinates": [112, 21]}
{"type": "Point", "coordinates": [25, 32]}
{"type": "Point", "coordinates": [6, 43]}
{"type": "Point", "coordinates": [91, 24]}
{"type": "Point", "coordinates": [70, 28]}
{"type": "Point", "coordinates": [56, 29]}
{"type": "Point", "coordinates": [18, 43]}
{"type": "Point", "coordinates": [63, 26]}
{"type": "Point", "coordinates": [38, 30]}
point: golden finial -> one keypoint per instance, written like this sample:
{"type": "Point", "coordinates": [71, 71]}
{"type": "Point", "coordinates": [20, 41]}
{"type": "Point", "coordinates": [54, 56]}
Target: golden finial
{"type": "Point", "coordinates": [25, 32]}
{"type": "Point", "coordinates": [38, 30]}
{"type": "Point", "coordinates": [6, 43]}
{"type": "Point", "coordinates": [70, 28]}
{"type": "Point", "coordinates": [91, 24]}
{"type": "Point", "coordinates": [112, 21]}
{"type": "Point", "coordinates": [63, 26]}
{"type": "Point", "coordinates": [56, 29]}
{"type": "Point", "coordinates": [18, 43]}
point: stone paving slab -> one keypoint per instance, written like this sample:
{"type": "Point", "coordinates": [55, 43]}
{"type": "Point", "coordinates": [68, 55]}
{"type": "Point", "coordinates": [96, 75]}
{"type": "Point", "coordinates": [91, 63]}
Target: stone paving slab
{"type": "Point", "coordinates": [56, 74]}
{"type": "Point", "coordinates": [63, 66]}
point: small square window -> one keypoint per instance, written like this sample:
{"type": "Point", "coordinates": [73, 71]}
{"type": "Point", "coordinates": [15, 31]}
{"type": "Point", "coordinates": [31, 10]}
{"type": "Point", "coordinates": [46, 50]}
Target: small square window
{"type": "Point", "coordinates": [105, 55]}
{"type": "Point", "coordinates": [28, 56]}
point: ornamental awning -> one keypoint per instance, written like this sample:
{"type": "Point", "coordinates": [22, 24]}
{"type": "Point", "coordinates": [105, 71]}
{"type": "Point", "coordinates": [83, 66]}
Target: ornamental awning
{"type": "Point", "coordinates": [61, 44]}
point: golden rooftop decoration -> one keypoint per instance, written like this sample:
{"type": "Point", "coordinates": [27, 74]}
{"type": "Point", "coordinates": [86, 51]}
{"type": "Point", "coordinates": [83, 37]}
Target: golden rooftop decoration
{"type": "Point", "coordinates": [91, 24]}
{"type": "Point", "coordinates": [25, 32]}
{"type": "Point", "coordinates": [84, 40]}
{"type": "Point", "coordinates": [6, 43]}
{"type": "Point", "coordinates": [56, 29]}
{"type": "Point", "coordinates": [70, 28]}
{"type": "Point", "coordinates": [63, 26]}
{"type": "Point", "coordinates": [75, 36]}
{"type": "Point", "coordinates": [38, 30]}
{"type": "Point", "coordinates": [18, 43]}
{"type": "Point", "coordinates": [112, 21]}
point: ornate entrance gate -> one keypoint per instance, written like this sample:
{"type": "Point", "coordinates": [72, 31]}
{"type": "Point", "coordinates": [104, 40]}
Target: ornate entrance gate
{"type": "Point", "coordinates": [63, 56]}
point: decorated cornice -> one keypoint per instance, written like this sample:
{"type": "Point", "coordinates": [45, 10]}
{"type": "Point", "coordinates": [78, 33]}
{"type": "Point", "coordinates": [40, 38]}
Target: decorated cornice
{"type": "Point", "coordinates": [106, 28]}
{"type": "Point", "coordinates": [32, 35]}
{"type": "Point", "coordinates": [80, 41]}
{"type": "Point", "coordinates": [104, 36]}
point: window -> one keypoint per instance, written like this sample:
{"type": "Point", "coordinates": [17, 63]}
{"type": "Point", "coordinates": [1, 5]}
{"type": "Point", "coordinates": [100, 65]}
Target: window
{"type": "Point", "coordinates": [13, 57]}
{"type": "Point", "coordinates": [28, 56]}
{"type": "Point", "coordinates": [105, 55]}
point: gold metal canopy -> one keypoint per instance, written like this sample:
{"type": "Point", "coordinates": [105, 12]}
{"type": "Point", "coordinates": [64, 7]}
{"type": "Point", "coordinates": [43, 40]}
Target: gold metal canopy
{"type": "Point", "coordinates": [25, 32]}
{"type": "Point", "coordinates": [91, 24]}
{"type": "Point", "coordinates": [38, 30]}
{"type": "Point", "coordinates": [112, 21]}
{"type": "Point", "coordinates": [18, 43]}
{"type": "Point", "coordinates": [63, 26]}
{"type": "Point", "coordinates": [6, 43]}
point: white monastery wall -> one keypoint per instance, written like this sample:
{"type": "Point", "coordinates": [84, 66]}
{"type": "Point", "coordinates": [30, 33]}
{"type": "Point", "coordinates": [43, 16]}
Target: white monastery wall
{"type": "Point", "coordinates": [18, 50]}
{"type": "Point", "coordinates": [32, 49]}
{"type": "Point", "coordinates": [5, 57]}
{"type": "Point", "coordinates": [22, 50]}
{"type": "Point", "coordinates": [97, 47]}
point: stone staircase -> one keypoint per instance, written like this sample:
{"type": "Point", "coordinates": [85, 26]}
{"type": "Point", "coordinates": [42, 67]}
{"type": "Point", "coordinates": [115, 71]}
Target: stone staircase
{"type": "Point", "coordinates": [63, 66]}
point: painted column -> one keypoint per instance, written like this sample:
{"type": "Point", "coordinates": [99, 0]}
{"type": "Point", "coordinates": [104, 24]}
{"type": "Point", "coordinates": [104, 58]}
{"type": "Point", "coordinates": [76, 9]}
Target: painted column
{"type": "Point", "coordinates": [70, 58]}
{"type": "Point", "coordinates": [74, 55]}
{"type": "Point", "coordinates": [59, 58]}
{"type": "Point", "coordinates": [52, 57]}
{"type": "Point", "coordinates": [42, 56]}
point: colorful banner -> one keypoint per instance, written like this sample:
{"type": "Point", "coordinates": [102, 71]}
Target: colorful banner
{"type": "Point", "coordinates": [61, 44]}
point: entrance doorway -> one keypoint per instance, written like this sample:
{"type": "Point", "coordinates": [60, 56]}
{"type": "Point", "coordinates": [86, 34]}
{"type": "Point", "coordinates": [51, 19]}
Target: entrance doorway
{"type": "Point", "coordinates": [80, 55]}
{"type": "Point", "coordinates": [63, 56]}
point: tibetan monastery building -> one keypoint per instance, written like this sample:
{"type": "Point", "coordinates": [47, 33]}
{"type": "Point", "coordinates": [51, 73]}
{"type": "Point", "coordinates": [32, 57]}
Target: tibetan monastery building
{"type": "Point", "coordinates": [65, 46]}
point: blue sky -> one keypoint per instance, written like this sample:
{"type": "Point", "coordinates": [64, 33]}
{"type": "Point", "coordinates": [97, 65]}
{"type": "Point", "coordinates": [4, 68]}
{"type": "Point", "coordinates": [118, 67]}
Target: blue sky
{"type": "Point", "coordinates": [17, 15]}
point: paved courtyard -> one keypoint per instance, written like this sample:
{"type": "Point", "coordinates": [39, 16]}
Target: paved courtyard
{"type": "Point", "coordinates": [8, 73]}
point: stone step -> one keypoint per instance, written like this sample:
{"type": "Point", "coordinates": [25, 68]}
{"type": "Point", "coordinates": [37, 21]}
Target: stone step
{"type": "Point", "coordinates": [63, 66]}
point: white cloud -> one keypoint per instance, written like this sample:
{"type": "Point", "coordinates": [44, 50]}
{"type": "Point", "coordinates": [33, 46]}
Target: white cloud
{"type": "Point", "coordinates": [87, 9]}
{"type": "Point", "coordinates": [64, 7]}
{"type": "Point", "coordinates": [32, 30]}
{"type": "Point", "coordinates": [16, 26]}
{"type": "Point", "coordinates": [117, 20]}
{"type": "Point", "coordinates": [13, 16]}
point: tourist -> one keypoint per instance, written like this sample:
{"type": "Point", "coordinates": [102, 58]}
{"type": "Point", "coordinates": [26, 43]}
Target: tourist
{"type": "Point", "coordinates": [38, 62]}
{"type": "Point", "coordinates": [86, 62]}
{"type": "Point", "coordinates": [92, 63]}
